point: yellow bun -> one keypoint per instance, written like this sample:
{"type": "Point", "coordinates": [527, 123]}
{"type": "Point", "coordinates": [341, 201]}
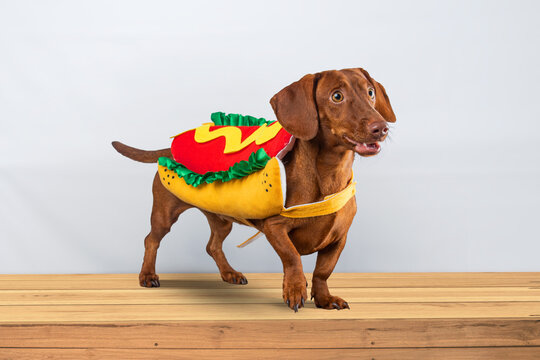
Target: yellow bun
{"type": "Point", "coordinates": [256, 196]}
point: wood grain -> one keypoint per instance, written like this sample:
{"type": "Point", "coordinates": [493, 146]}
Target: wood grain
{"type": "Point", "coordinates": [260, 281]}
{"type": "Point", "coordinates": [243, 295]}
{"type": "Point", "coordinates": [293, 333]}
{"type": "Point", "coordinates": [249, 354]}
{"type": "Point", "coordinates": [277, 311]}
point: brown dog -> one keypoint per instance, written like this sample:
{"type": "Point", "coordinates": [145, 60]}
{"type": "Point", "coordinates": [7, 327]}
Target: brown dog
{"type": "Point", "coordinates": [332, 114]}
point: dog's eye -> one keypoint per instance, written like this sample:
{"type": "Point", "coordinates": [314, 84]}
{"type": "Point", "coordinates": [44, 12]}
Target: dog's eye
{"type": "Point", "coordinates": [337, 96]}
{"type": "Point", "coordinates": [371, 93]}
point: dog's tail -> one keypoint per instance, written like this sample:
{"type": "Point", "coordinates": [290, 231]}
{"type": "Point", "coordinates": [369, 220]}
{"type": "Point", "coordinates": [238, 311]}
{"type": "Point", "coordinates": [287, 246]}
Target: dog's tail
{"type": "Point", "coordinates": [141, 155]}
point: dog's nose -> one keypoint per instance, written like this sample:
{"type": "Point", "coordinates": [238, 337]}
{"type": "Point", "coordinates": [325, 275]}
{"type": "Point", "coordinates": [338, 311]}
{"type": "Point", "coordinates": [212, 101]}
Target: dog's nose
{"type": "Point", "coordinates": [378, 128]}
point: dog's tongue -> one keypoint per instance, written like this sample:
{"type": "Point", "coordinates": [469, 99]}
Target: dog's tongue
{"type": "Point", "coordinates": [367, 149]}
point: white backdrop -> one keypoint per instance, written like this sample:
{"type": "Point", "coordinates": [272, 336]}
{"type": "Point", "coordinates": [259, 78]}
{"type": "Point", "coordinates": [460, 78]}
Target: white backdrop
{"type": "Point", "coordinates": [455, 189]}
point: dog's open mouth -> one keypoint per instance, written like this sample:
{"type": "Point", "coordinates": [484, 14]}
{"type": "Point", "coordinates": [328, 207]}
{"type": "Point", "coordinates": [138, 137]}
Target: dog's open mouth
{"type": "Point", "coordinates": [364, 149]}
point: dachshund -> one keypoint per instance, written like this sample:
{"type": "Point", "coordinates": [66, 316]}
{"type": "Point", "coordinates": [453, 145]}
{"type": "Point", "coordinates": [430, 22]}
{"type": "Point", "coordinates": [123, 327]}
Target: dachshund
{"type": "Point", "coordinates": [333, 115]}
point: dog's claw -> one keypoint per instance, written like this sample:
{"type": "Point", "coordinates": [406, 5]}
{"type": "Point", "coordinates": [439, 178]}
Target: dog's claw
{"type": "Point", "coordinates": [336, 306]}
{"type": "Point", "coordinates": [149, 280]}
{"type": "Point", "coordinates": [295, 307]}
{"type": "Point", "coordinates": [288, 302]}
{"type": "Point", "coordinates": [234, 277]}
{"type": "Point", "coordinates": [303, 301]}
{"type": "Point", "coordinates": [346, 306]}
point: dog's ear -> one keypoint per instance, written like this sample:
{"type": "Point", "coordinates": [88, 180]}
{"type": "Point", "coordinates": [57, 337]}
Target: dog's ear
{"type": "Point", "coordinates": [296, 109]}
{"type": "Point", "coordinates": [382, 102]}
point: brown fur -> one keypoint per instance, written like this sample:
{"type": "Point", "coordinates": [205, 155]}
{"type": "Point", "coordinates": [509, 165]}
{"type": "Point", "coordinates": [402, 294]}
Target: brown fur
{"type": "Point", "coordinates": [319, 164]}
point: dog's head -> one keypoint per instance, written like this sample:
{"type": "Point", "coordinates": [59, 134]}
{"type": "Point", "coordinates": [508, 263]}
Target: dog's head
{"type": "Point", "coordinates": [346, 108]}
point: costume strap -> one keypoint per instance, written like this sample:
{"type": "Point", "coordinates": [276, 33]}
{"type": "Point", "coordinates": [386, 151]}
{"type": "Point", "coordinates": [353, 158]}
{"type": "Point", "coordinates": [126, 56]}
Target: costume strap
{"type": "Point", "coordinates": [329, 205]}
{"type": "Point", "coordinates": [254, 237]}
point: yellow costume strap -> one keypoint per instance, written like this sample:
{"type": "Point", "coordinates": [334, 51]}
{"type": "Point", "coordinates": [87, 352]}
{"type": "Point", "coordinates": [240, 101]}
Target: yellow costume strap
{"type": "Point", "coordinates": [254, 237]}
{"type": "Point", "coordinates": [329, 205]}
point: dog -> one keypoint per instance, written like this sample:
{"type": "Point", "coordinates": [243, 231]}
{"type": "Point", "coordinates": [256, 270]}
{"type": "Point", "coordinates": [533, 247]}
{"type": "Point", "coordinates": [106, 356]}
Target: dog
{"type": "Point", "coordinates": [333, 115]}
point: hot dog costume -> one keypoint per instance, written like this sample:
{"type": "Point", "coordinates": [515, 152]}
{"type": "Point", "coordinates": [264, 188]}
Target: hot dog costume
{"type": "Point", "coordinates": [233, 167]}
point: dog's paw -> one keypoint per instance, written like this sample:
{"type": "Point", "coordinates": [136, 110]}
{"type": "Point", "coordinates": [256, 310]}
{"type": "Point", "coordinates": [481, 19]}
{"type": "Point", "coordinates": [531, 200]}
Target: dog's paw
{"type": "Point", "coordinates": [149, 280]}
{"type": "Point", "coordinates": [234, 277]}
{"type": "Point", "coordinates": [295, 291]}
{"type": "Point", "coordinates": [330, 302]}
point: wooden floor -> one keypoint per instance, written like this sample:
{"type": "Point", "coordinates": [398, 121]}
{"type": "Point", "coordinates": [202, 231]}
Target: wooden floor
{"type": "Point", "coordinates": [393, 316]}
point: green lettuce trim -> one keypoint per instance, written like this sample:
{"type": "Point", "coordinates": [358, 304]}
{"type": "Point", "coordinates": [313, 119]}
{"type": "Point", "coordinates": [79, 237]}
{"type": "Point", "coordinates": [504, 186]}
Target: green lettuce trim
{"type": "Point", "coordinates": [220, 119]}
{"type": "Point", "coordinates": [256, 161]}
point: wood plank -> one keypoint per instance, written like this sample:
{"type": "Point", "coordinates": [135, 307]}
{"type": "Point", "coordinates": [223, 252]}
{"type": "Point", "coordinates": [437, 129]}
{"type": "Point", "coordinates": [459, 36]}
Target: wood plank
{"type": "Point", "coordinates": [294, 333]}
{"type": "Point", "coordinates": [260, 281]}
{"type": "Point", "coordinates": [88, 313]}
{"type": "Point", "coordinates": [188, 354]}
{"type": "Point", "coordinates": [165, 312]}
{"type": "Point", "coordinates": [535, 276]}
{"type": "Point", "coordinates": [241, 295]}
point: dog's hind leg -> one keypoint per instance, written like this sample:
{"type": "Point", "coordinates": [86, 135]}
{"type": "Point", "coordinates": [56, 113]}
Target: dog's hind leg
{"type": "Point", "coordinates": [220, 228]}
{"type": "Point", "coordinates": [165, 211]}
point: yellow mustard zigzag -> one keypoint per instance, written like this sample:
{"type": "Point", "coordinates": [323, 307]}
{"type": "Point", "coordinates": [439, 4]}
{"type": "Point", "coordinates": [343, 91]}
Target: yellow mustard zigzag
{"type": "Point", "coordinates": [233, 135]}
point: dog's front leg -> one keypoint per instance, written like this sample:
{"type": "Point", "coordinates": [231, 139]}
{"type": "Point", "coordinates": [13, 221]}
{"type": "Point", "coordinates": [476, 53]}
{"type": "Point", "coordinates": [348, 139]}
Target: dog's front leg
{"type": "Point", "coordinates": [326, 261]}
{"type": "Point", "coordinates": [294, 281]}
